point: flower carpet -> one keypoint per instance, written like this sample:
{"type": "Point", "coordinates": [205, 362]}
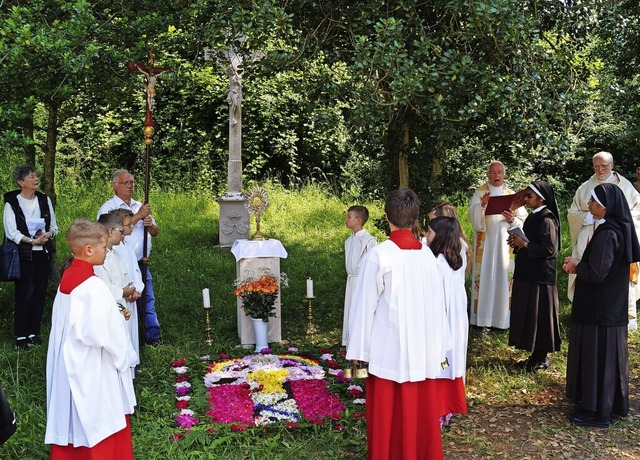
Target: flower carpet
{"type": "Point", "coordinates": [265, 389]}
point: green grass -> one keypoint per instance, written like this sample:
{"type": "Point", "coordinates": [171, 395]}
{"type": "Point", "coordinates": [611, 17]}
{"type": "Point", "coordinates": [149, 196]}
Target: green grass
{"type": "Point", "coordinates": [310, 224]}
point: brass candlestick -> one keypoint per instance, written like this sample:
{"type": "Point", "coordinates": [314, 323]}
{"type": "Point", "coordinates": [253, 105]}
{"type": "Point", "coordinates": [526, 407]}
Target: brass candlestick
{"type": "Point", "coordinates": [311, 328]}
{"type": "Point", "coordinates": [208, 342]}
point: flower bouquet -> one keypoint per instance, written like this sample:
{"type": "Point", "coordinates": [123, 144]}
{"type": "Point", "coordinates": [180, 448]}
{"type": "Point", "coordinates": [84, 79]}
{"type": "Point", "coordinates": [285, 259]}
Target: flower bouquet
{"type": "Point", "coordinates": [259, 294]}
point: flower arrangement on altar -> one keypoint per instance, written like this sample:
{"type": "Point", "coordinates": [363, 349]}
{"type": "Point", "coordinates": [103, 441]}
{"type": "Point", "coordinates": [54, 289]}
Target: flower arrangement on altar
{"type": "Point", "coordinates": [259, 294]}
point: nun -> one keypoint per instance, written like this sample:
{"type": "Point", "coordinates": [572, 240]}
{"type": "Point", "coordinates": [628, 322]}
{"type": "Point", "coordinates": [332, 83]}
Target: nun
{"type": "Point", "coordinates": [534, 324]}
{"type": "Point", "coordinates": [597, 360]}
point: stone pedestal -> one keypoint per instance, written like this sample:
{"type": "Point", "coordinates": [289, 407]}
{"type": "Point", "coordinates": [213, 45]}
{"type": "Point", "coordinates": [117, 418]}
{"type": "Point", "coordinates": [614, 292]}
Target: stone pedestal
{"type": "Point", "coordinates": [234, 219]}
{"type": "Point", "coordinates": [253, 258]}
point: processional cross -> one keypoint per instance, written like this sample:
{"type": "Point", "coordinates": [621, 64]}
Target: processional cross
{"type": "Point", "coordinates": [151, 73]}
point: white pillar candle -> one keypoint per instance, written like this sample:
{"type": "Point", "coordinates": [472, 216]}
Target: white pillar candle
{"type": "Point", "coordinates": [205, 298]}
{"type": "Point", "coordinates": [309, 287]}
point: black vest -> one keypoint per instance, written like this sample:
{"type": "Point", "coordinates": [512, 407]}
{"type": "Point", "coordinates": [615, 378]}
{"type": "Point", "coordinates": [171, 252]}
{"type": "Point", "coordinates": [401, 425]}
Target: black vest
{"type": "Point", "coordinates": [530, 269]}
{"type": "Point", "coordinates": [26, 249]}
{"type": "Point", "coordinates": [604, 304]}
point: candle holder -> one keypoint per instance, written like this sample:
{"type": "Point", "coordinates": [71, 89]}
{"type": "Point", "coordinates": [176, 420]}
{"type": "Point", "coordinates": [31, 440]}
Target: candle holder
{"type": "Point", "coordinates": [208, 342]}
{"type": "Point", "coordinates": [311, 328]}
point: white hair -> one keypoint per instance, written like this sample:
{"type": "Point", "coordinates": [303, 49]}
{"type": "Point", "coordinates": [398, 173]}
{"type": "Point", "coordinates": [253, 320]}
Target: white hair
{"type": "Point", "coordinates": [606, 156]}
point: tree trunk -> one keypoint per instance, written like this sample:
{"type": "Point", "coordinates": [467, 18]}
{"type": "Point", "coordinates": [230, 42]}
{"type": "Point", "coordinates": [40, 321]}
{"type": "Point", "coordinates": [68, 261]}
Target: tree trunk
{"type": "Point", "coordinates": [50, 151]}
{"type": "Point", "coordinates": [403, 153]}
{"type": "Point", "coordinates": [30, 148]}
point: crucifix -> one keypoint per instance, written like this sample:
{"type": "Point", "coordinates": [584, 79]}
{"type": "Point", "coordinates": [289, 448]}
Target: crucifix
{"type": "Point", "coordinates": [151, 73]}
{"type": "Point", "coordinates": [234, 218]}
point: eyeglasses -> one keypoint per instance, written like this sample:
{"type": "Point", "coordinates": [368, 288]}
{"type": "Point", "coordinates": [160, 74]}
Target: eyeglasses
{"type": "Point", "coordinates": [117, 229]}
{"type": "Point", "coordinates": [604, 166]}
{"type": "Point", "coordinates": [128, 183]}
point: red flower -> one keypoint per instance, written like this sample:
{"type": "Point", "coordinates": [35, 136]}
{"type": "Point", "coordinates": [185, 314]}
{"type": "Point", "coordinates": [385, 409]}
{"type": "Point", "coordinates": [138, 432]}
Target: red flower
{"type": "Point", "coordinates": [338, 428]}
{"type": "Point", "coordinates": [332, 364]}
{"type": "Point", "coordinates": [356, 393]}
{"type": "Point", "coordinates": [318, 422]}
{"type": "Point", "coordinates": [291, 424]}
{"type": "Point", "coordinates": [238, 428]}
{"type": "Point", "coordinates": [359, 415]}
{"type": "Point", "coordinates": [179, 363]}
{"type": "Point", "coordinates": [182, 404]}
{"type": "Point", "coordinates": [224, 356]}
{"type": "Point", "coordinates": [182, 378]}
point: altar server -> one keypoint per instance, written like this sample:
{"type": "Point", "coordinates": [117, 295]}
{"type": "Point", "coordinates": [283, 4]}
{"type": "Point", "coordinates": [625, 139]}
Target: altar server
{"type": "Point", "coordinates": [89, 388]}
{"type": "Point", "coordinates": [398, 325]}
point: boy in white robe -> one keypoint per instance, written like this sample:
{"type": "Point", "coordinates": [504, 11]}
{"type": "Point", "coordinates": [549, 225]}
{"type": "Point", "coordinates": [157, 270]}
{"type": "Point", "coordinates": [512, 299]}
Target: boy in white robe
{"type": "Point", "coordinates": [114, 273]}
{"type": "Point", "coordinates": [89, 390]}
{"type": "Point", "coordinates": [128, 257]}
{"type": "Point", "coordinates": [398, 325]}
{"type": "Point", "coordinates": [355, 247]}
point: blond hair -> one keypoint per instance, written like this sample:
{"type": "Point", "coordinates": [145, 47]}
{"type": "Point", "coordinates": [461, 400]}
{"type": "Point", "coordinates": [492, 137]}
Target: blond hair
{"type": "Point", "coordinates": [83, 232]}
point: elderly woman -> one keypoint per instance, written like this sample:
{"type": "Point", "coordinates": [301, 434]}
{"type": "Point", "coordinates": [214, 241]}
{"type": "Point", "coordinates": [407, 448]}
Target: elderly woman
{"type": "Point", "coordinates": [597, 362]}
{"type": "Point", "coordinates": [29, 221]}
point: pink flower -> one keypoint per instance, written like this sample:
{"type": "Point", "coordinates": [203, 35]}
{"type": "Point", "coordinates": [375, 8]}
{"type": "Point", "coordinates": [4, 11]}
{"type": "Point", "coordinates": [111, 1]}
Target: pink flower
{"type": "Point", "coordinates": [338, 428]}
{"type": "Point", "coordinates": [186, 420]}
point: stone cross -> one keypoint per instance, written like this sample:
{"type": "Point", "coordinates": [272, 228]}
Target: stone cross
{"type": "Point", "coordinates": [234, 218]}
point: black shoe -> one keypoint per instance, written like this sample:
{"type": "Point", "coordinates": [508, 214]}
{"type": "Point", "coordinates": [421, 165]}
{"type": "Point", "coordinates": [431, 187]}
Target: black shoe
{"type": "Point", "coordinates": [35, 340]}
{"type": "Point", "coordinates": [522, 364]}
{"type": "Point", "coordinates": [22, 344]}
{"type": "Point", "coordinates": [590, 419]}
{"type": "Point", "coordinates": [153, 343]}
{"type": "Point", "coordinates": [532, 366]}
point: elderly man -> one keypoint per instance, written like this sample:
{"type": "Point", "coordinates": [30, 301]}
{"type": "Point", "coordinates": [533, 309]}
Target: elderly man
{"type": "Point", "coordinates": [582, 223]}
{"type": "Point", "coordinates": [492, 258]}
{"type": "Point", "coordinates": [124, 186]}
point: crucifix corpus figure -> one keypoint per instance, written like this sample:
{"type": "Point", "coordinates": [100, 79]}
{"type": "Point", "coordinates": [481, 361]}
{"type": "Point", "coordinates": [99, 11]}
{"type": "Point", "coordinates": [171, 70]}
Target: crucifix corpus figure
{"type": "Point", "coordinates": [151, 73]}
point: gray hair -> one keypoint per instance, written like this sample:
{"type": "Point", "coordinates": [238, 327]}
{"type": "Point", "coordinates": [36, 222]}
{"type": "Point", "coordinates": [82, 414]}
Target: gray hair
{"type": "Point", "coordinates": [116, 173]}
{"type": "Point", "coordinates": [22, 171]}
{"type": "Point", "coordinates": [606, 156]}
{"type": "Point", "coordinates": [496, 162]}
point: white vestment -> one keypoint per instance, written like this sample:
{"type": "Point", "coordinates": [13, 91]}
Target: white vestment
{"type": "Point", "coordinates": [128, 257]}
{"type": "Point", "coordinates": [582, 225]}
{"type": "Point", "coordinates": [455, 302]}
{"type": "Point", "coordinates": [89, 360]}
{"type": "Point", "coordinates": [355, 247]}
{"type": "Point", "coordinates": [397, 321]}
{"type": "Point", "coordinates": [492, 264]}
{"type": "Point", "coordinates": [114, 273]}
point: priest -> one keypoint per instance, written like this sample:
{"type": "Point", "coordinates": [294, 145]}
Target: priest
{"type": "Point", "coordinates": [582, 222]}
{"type": "Point", "coordinates": [492, 262]}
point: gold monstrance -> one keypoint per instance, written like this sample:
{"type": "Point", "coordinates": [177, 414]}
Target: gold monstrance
{"type": "Point", "coordinates": [257, 203]}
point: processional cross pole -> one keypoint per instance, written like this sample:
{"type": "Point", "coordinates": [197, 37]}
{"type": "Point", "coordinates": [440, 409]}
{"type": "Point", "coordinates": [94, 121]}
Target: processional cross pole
{"type": "Point", "coordinates": [151, 73]}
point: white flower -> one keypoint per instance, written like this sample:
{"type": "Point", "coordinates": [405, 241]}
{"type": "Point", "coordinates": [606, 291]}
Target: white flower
{"type": "Point", "coordinates": [360, 401]}
{"type": "Point", "coordinates": [186, 412]}
{"type": "Point", "coordinates": [182, 384]}
{"type": "Point", "coordinates": [326, 357]}
{"type": "Point", "coordinates": [354, 387]}
{"type": "Point", "coordinates": [183, 398]}
{"type": "Point", "coordinates": [181, 370]}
